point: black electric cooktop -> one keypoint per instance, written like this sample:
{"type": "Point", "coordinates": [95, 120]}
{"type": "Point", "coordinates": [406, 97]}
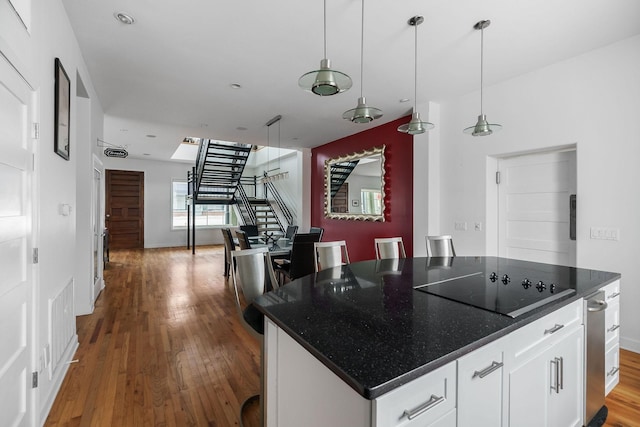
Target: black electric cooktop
{"type": "Point", "coordinates": [510, 293]}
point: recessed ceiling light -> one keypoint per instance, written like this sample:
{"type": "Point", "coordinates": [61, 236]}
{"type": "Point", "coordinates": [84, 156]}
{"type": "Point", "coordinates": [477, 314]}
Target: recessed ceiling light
{"type": "Point", "coordinates": [404, 99]}
{"type": "Point", "coordinates": [235, 86]}
{"type": "Point", "coordinates": [150, 136]}
{"type": "Point", "coordinates": [241, 128]}
{"type": "Point", "coordinates": [146, 154]}
{"type": "Point", "coordinates": [124, 130]}
{"type": "Point", "coordinates": [124, 18]}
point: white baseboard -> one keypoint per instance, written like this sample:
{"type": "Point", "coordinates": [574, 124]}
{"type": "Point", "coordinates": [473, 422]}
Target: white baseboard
{"type": "Point", "coordinates": [629, 344]}
{"type": "Point", "coordinates": [56, 382]}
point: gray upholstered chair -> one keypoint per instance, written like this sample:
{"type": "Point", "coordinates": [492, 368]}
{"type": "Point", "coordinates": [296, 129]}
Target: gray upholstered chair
{"type": "Point", "coordinates": [389, 247]}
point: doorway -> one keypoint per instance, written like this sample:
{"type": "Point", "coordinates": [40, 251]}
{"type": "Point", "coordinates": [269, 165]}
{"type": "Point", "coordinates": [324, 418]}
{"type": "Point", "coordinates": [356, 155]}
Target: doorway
{"type": "Point", "coordinates": [124, 194]}
{"type": "Point", "coordinates": [98, 233]}
{"type": "Point", "coordinates": [535, 216]}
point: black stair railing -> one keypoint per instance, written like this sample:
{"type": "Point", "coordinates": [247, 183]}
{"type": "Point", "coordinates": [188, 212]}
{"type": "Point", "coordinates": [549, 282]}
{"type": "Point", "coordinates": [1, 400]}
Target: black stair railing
{"type": "Point", "coordinates": [271, 189]}
{"type": "Point", "coordinates": [244, 205]}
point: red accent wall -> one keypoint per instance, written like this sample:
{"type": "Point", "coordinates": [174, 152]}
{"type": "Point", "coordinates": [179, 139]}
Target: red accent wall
{"type": "Point", "coordinates": [359, 235]}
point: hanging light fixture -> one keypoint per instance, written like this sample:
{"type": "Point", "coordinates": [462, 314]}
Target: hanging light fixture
{"type": "Point", "coordinates": [416, 125]}
{"type": "Point", "coordinates": [362, 113]}
{"type": "Point", "coordinates": [325, 81]}
{"type": "Point", "coordinates": [482, 127]}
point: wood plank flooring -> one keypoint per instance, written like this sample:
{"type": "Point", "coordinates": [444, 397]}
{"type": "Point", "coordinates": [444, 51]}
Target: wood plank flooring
{"type": "Point", "coordinates": [164, 348]}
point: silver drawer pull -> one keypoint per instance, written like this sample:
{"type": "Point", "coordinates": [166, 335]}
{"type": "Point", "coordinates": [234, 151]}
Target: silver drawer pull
{"type": "Point", "coordinates": [613, 371]}
{"type": "Point", "coordinates": [433, 401]}
{"type": "Point", "coordinates": [486, 371]}
{"type": "Point", "coordinates": [554, 329]}
{"type": "Point", "coordinates": [613, 328]}
{"type": "Point", "coordinates": [613, 295]}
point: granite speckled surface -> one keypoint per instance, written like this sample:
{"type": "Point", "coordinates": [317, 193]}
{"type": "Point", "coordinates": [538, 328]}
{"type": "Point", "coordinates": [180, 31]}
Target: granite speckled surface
{"type": "Point", "coordinates": [368, 324]}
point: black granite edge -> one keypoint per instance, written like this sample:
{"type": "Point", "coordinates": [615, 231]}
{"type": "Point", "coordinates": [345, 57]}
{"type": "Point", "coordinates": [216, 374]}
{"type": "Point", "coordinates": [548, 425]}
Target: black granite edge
{"type": "Point", "coordinates": [374, 392]}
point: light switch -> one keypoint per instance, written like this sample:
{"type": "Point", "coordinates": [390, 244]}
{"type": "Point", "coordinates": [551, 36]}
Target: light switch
{"type": "Point", "coordinates": [460, 226]}
{"type": "Point", "coordinates": [477, 226]}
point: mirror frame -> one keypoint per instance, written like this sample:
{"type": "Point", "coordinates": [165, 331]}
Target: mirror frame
{"type": "Point", "coordinates": [327, 185]}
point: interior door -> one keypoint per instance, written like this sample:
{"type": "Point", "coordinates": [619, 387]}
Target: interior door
{"type": "Point", "coordinates": [124, 193]}
{"type": "Point", "coordinates": [534, 207]}
{"type": "Point", "coordinates": [16, 109]}
{"type": "Point", "coordinates": [98, 262]}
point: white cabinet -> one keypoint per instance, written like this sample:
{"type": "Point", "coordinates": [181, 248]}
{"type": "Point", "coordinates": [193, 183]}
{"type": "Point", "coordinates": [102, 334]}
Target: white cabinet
{"type": "Point", "coordinates": [545, 380]}
{"type": "Point", "coordinates": [612, 338]}
{"type": "Point", "coordinates": [480, 376]}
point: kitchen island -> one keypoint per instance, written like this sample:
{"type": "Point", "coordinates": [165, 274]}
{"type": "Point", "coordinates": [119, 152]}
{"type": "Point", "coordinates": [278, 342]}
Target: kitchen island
{"type": "Point", "coordinates": [352, 339]}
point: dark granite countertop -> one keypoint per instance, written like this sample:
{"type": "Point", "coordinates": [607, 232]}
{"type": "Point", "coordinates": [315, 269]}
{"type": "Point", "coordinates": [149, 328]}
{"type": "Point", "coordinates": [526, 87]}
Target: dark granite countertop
{"type": "Point", "coordinates": [366, 323]}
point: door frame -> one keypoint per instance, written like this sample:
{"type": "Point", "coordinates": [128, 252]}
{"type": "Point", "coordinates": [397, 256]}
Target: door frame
{"type": "Point", "coordinates": [492, 226]}
{"type": "Point", "coordinates": [97, 223]}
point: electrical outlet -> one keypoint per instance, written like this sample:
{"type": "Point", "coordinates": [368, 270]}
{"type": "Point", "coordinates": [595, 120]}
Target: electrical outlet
{"type": "Point", "coordinates": [477, 226]}
{"type": "Point", "coordinates": [605, 233]}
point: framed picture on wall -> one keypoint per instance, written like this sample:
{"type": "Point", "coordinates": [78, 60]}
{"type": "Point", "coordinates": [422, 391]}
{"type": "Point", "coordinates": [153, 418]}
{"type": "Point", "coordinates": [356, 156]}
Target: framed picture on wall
{"type": "Point", "coordinates": [62, 111]}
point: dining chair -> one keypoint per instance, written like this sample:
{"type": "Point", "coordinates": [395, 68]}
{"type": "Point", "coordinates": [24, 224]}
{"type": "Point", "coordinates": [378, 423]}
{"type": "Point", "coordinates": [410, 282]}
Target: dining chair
{"type": "Point", "coordinates": [330, 254]}
{"type": "Point", "coordinates": [318, 230]}
{"type": "Point", "coordinates": [251, 278]}
{"type": "Point", "coordinates": [440, 246]}
{"type": "Point", "coordinates": [389, 247]}
{"type": "Point", "coordinates": [250, 229]}
{"type": "Point", "coordinates": [229, 246]}
{"type": "Point", "coordinates": [243, 239]}
{"type": "Point", "coordinates": [291, 230]}
{"type": "Point", "coordinates": [301, 261]}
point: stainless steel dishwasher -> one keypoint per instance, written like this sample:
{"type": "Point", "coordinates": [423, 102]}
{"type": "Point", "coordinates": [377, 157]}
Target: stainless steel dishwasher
{"type": "Point", "coordinates": [595, 411]}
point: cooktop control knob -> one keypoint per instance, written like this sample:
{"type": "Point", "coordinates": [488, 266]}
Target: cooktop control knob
{"type": "Point", "coordinates": [552, 287]}
{"type": "Point", "coordinates": [493, 276]}
{"type": "Point", "coordinates": [540, 286]}
{"type": "Point", "coordinates": [526, 283]}
{"type": "Point", "coordinates": [506, 279]}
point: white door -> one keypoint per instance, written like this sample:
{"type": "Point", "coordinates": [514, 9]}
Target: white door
{"type": "Point", "coordinates": [533, 207]}
{"type": "Point", "coordinates": [15, 248]}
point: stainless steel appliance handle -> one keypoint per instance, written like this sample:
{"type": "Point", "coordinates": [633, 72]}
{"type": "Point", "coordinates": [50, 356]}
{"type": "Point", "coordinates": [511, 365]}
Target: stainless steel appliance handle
{"type": "Point", "coordinates": [433, 401]}
{"type": "Point", "coordinates": [555, 329]}
{"type": "Point", "coordinates": [486, 371]}
{"type": "Point", "coordinates": [598, 305]}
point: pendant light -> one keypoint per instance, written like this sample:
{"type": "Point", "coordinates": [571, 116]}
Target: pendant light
{"type": "Point", "coordinates": [416, 125]}
{"type": "Point", "coordinates": [362, 113]}
{"type": "Point", "coordinates": [325, 81]}
{"type": "Point", "coordinates": [482, 127]}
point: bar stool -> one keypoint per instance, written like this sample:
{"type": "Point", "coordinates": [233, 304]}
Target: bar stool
{"type": "Point", "coordinates": [389, 247]}
{"type": "Point", "coordinates": [440, 246]}
{"type": "Point", "coordinates": [330, 254]}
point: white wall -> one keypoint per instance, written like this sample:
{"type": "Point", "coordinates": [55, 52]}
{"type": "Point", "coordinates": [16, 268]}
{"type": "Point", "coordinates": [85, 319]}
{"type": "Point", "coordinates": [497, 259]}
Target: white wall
{"type": "Point", "coordinates": [592, 101]}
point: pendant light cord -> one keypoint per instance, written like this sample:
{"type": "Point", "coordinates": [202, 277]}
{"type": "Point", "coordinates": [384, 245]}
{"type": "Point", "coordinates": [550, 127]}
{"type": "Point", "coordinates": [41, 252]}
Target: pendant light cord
{"type": "Point", "coordinates": [481, 65]}
{"type": "Point", "coordinates": [362, 52]}
{"type": "Point", "coordinates": [325, 29]}
{"type": "Point", "coordinates": [415, 70]}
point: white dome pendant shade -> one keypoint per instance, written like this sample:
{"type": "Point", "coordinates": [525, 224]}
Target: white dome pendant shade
{"type": "Point", "coordinates": [416, 126]}
{"type": "Point", "coordinates": [482, 127]}
{"type": "Point", "coordinates": [362, 113]}
{"type": "Point", "coordinates": [325, 81]}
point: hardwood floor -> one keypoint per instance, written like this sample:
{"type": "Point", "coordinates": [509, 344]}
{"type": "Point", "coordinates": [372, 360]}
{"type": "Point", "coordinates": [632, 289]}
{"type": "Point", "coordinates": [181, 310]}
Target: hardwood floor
{"type": "Point", "coordinates": [164, 348]}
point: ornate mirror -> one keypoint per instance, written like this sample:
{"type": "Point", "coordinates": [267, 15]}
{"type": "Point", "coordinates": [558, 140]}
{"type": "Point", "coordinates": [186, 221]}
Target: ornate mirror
{"type": "Point", "coordinates": [354, 186]}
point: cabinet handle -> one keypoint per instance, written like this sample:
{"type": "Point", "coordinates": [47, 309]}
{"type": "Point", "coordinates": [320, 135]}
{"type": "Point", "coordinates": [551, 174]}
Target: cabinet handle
{"type": "Point", "coordinates": [433, 401]}
{"type": "Point", "coordinates": [561, 373]}
{"type": "Point", "coordinates": [486, 371]}
{"type": "Point", "coordinates": [613, 328]}
{"type": "Point", "coordinates": [613, 295]}
{"type": "Point", "coordinates": [613, 371]}
{"type": "Point", "coordinates": [556, 328]}
{"type": "Point", "coordinates": [556, 367]}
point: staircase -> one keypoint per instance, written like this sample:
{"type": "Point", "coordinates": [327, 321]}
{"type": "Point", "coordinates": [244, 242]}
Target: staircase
{"type": "Point", "coordinates": [219, 166]}
{"type": "Point", "coordinates": [260, 212]}
{"type": "Point", "coordinates": [339, 174]}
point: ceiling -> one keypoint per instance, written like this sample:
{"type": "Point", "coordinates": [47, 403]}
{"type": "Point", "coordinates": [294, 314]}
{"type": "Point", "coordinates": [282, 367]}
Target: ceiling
{"type": "Point", "coordinates": [171, 72]}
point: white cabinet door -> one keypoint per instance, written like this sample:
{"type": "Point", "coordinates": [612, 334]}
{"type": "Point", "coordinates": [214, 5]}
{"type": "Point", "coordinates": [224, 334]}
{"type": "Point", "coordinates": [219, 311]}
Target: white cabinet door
{"type": "Point", "coordinates": [480, 375]}
{"type": "Point", "coordinates": [546, 390]}
{"type": "Point", "coordinates": [566, 375]}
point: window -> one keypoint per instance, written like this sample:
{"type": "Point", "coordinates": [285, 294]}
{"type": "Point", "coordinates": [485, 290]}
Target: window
{"type": "Point", "coordinates": [206, 215]}
{"type": "Point", "coordinates": [371, 201]}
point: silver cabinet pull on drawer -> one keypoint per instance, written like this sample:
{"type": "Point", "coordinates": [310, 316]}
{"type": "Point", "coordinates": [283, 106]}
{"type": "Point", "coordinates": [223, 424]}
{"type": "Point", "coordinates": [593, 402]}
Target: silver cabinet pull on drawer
{"type": "Point", "coordinates": [486, 371]}
{"type": "Point", "coordinates": [554, 329]}
{"type": "Point", "coordinates": [433, 401]}
{"type": "Point", "coordinates": [613, 295]}
{"type": "Point", "coordinates": [613, 371]}
{"type": "Point", "coordinates": [613, 328]}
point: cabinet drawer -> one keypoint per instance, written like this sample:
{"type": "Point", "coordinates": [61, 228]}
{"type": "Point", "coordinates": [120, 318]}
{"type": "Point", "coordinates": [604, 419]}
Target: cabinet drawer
{"type": "Point", "coordinates": [612, 292]}
{"type": "Point", "coordinates": [612, 322]}
{"type": "Point", "coordinates": [420, 402]}
{"type": "Point", "coordinates": [611, 368]}
{"type": "Point", "coordinates": [545, 329]}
